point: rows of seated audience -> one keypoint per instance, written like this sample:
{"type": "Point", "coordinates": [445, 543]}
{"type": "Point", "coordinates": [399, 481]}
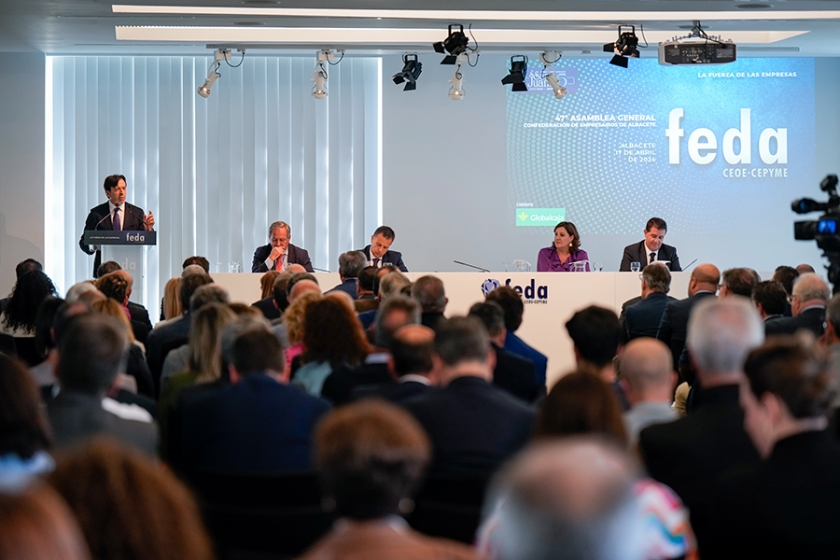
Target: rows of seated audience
{"type": "Point", "coordinates": [363, 421]}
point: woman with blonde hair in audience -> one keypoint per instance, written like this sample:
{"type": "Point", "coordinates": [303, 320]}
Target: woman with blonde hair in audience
{"type": "Point", "coordinates": [332, 338]}
{"type": "Point", "coordinates": [128, 507]}
{"type": "Point", "coordinates": [24, 429]}
{"type": "Point", "coordinates": [293, 323]}
{"type": "Point", "coordinates": [370, 457]}
{"type": "Point", "coordinates": [136, 366]}
{"type": "Point", "coordinates": [171, 305]}
{"type": "Point", "coordinates": [37, 524]}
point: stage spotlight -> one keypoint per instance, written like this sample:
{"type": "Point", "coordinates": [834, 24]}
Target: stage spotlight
{"type": "Point", "coordinates": [455, 44]}
{"type": "Point", "coordinates": [554, 82]}
{"type": "Point", "coordinates": [518, 66]}
{"type": "Point", "coordinates": [548, 58]}
{"type": "Point", "coordinates": [410, 72]}
{"type": "Point", "coordinates": [625, 46]}
{"type": "Point", "coordinates": [320, 75]}
{"type": "Point", "coordinates": [213, 72]}
{"type": "Point", "coordinates": [456, 92]}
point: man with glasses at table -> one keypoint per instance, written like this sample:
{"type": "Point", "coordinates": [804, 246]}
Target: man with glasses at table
{"type": "Point", "coordinates": [279, 253]}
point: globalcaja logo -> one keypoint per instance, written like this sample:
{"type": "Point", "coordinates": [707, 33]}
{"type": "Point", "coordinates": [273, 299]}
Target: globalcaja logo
{"type": "Point", "coordinates": [531, 292]}
{"type": "Point", "coordinates": [539, 216]}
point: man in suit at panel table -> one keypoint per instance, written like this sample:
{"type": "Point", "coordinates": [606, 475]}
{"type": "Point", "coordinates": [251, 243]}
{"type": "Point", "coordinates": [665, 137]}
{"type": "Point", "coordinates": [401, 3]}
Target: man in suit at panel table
{"type": "Point", "coordinates": [116, 214]}
{"type": "Point", "coordinates": [652, 248]}
{"type": "Point", "coordinates": [673, 328]}
{"type": "Point", "coordinates": [378, 252]}
{"type": "Point", "coordinates": [643, 318]}
{"type": "Point", "coordinates": [690, 455]}
{"type": "Point", "coordinates": [279, 253]}
{"type": "Point", "coordinates": [810, 294]}
{"type": "Point", "coordinates": [259, 424]}
{"type": "Point", "coordinates": [474, 426]}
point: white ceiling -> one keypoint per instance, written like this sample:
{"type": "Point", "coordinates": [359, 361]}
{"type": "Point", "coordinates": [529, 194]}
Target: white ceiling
{"type": "Point", "coordinates": [89, 26]}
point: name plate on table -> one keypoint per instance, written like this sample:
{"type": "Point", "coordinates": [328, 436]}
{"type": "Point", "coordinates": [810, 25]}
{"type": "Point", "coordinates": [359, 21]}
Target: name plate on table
{"type": "Point", "coordinates": [111, 237]}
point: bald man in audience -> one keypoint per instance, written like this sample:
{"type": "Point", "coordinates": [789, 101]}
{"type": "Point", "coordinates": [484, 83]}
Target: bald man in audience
{"type": "Point", "coordinates": [648, 379]}
{"type": "Point", "coordinates": [804, 268]}
{"type": "Point", "coordinates": [810, 294]}
{"type": "Point", "coordinates": [673, 329]}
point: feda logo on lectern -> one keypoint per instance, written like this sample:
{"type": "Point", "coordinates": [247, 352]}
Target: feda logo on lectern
{"type": "Point", "coordinates": [531, 292]}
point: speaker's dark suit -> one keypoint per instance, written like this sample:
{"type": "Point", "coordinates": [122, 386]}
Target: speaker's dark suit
{"type": "Point", "coordinates": [296, 256]}
{"type": "Point", "coordinates": [255, 426]}
{"type": "Point", "coordinates": [691, 454]}
{"type": "Point", "coordinates": [392, 258]}
{"type": "Point", "coordinates": [643, 317]}
{"type": "Point", "coordinates": [474, 426]}
{"type": "Point", "coordinates": [812, 319]}
{"type": "Point", "coordinates": [785, 507]}
{"type": "Point", "coordinates": [99, 218]}
{"type": "Point", "coordinates": [674, 325]}
{"type": "Point", "coordinates": [637, 252]}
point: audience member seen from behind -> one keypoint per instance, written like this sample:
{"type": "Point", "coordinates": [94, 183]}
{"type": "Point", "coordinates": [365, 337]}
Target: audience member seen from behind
{"type": "Point", "coordinates": [770, 300]}
{"type": "Point", "coordinates": [24, 431]}
{"type": "Point", "coordinates": [171, 303]}
{"type": "Point", "coordinates": [474, 426]}
{"type": "Point", "coordinates": [787, 506]}
{"type": "Point", "coordinates": [92, 350]}
{"type": "Point", "coordinates": [332, 338]}
{"type": "Point", "coordinates": [259, 425]}
{"type": "Point", "coordinates": [129, 507]}
{"type": "Point", "coordinates": [643, 317]}
{"type": "Point", "coordinates": [370, 458]}
{"type": "Point", "coordinates": [581, 404]}
{"type": "Point", "coordinates": [135, 366]}
{"type": "Point", "coordinates": [429, 292]}
{"type": "Point", "coordinates": [648, 381]}
{"type": "Point", "coordinates": [807, 304]}
{"type": "Point", "coordinates": [511, 302]}
{"type": "Point", "coordinates": [37, 524]}
{"type": "Point", "coordinates": [293, 321]}
{"type": "Point", "coordinates": [564, 252]}
{"type": "Point", "coordinates": [786, 275]}
{"type": "Point", "coordinates": [596, 335]}
{"type": "Point", "coordinates": [18, 317]}
{"type": "Point", "coordinates": [691, 454]}
{"type": "Point", "coordinates": [44, 372]}
{"type": "Point", "coordinates": [566, 500]}
{"type": "Point", "coordinates": [24, 267]}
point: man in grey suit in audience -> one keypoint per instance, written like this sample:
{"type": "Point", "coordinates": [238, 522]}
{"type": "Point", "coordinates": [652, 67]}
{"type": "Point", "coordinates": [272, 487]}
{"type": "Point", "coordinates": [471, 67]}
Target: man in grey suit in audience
{"type": "Point", "coordinates": [92, 351]}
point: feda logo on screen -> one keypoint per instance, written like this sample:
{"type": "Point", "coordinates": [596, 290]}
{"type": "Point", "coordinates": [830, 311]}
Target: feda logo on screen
{"type": "Point", "coordinates": [540, 216]}
{"type": "Point", "coordinates": [531, 292]}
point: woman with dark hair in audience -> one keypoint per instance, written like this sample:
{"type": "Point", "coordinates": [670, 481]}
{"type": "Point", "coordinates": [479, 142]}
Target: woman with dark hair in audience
{"type": "Point", "coordinates": [44, 372]}
{"type": "Point", "coordinates": [332, 338]}
{"type": "Point", "coordinates": [370, 456]}
{"type": "Point", "coordinates": [129, 507]}
{"type": "Point", "coordinates": [267, 283]}
{"type": "Point", "coordinates": [564, 252]}
{"type": "Point", "coordinates": [24, 429]}
{"type": "Point", "coordinates": [581, 403]}
{"type": "Point", "coordinates": [787, 506]}
{"type": "Point", "coordinates": [18, 317]}
{"type": "Point", "coordinates": [136, 366]}
{"type": "Point", "coordinates": [37, 524]}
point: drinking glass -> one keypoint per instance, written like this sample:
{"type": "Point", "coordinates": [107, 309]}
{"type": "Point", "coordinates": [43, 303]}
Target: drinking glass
{"type": "Point", "coordinates": [635, 266]}
{"type": "Point", "coordinates": [597, 266]}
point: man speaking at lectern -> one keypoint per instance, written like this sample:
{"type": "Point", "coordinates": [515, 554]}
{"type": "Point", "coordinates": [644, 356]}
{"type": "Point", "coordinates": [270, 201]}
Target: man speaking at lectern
{"type": "Point", "coordinates": [652, 249]}
{"type": "Point", "coordinates": [116, 214]}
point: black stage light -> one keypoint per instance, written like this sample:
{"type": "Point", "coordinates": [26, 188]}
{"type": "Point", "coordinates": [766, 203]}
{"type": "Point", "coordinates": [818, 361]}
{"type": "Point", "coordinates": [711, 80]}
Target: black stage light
{"type": "Point", "coordinates": [518, 65]}
{"type": "Point", "coordinates": [625, 46]}
{"type": "Point", "coordinates": [410, 72]}
{"type": "Point", "coordinates": [455, 43]}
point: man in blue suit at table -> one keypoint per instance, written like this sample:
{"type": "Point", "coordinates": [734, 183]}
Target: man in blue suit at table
{"type": "Point", "coordinates": [378, 252]}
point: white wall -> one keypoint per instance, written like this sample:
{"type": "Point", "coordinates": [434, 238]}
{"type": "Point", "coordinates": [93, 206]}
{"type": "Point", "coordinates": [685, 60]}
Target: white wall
{"type": "Point", "coordinates": [22, 80]}
{"type": "Point", "coordinates": [445, 179]}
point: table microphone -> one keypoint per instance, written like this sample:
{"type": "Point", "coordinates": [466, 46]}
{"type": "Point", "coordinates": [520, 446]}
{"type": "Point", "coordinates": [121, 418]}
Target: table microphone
{"type": "Point", "coordinates": [689, 265]}
{"type": "Point", "coordinates": [472, 266]}
{"type": "Point", "coordinates": [319, 269]}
